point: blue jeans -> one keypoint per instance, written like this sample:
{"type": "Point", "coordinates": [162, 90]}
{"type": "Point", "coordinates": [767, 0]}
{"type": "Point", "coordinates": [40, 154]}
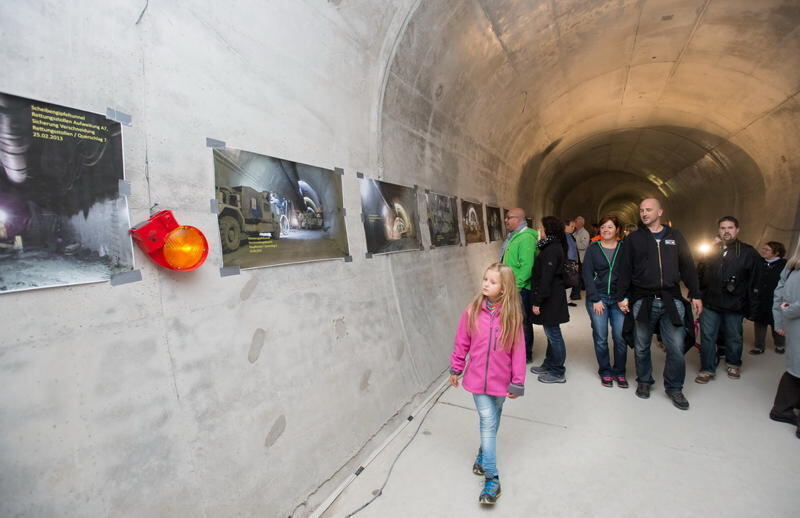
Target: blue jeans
{"type": "Point", "coordinates": [600, 323]}
{"type": "Point", "coordinates": [490, 408]}
{"type": "Point", "coordinates": [673, 337]}
{"type": "Point", "coordinates": [556, 351]}
{"type": "Point", "coordinates": [710, 323]}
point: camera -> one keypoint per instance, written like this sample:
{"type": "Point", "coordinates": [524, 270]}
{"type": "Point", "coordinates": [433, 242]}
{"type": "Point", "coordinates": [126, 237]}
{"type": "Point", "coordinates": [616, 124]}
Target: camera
{"type": "Point", "coordinates": [730, 284]}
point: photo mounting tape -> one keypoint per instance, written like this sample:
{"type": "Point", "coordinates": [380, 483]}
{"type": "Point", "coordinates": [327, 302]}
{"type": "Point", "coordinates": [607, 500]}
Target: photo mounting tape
{"type": "Point", "coordinates": [338, 170]}
{"type": "Point", "coordinates": [118, 116]}
{"type": "Point", "coordinates": [227, 271]}
{"type": "Point", "coordinates": [213, 206]}
{"type": "Point", "coordinates": [124, 187]}
{"type": "Point", "coordinates": [126, 277]}
{"type": "Point", "coordinates": [214, 143]}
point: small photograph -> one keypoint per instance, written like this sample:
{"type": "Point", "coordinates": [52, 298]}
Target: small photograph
{"type": "Point", "coordinates": [273, 211]}
{"type": "Point", "coordinates": [62, 218]}
{"type": "Point", "coordinates": [443, 219]}
{"type": "Point", "coordinates": [390, 217]}
{"type": "Point", "coordinates": [494, 223]}
{"type": "Point", "coordinates": [472, 215]}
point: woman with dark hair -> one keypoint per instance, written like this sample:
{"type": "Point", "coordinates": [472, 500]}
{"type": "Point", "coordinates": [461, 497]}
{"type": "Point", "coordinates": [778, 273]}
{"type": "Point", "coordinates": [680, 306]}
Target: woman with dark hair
{"type": "Point", "coordinates": [600, 275]}
{"type": "Point", "coordinates": [549, 298]}
{"type": "Point", "coordinates": [769, 274]}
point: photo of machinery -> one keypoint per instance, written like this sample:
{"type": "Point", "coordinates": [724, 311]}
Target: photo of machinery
{"type": "Point", "coordinates": [472, 216]}
{"type": "Point", "coordinates": [273, 211]}
{"type": "Point", "coordinates": [494, 223]}
{"type": "Point", "coordinates": [62, 218]}
{"type": "Point", "coordinates": [443, 219]}
{"type": "Point", "coordinates": [390, 217]}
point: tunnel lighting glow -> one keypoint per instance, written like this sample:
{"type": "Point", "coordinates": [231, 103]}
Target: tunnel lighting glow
{"type": "Point", "coordinates": [3, 216]}
{"type": "Point", "coordinates": [704, 248]}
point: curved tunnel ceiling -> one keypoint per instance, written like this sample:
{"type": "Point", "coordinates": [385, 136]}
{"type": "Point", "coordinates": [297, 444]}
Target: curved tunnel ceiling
{"type": "Point", "coordinates": [557, 104]}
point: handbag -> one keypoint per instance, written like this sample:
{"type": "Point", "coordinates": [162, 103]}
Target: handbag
{"type": "Point", "coordinates": [572, 274]}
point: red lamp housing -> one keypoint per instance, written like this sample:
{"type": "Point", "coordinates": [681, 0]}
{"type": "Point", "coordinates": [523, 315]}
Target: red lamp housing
{"type": "Point", "coordinates": [173, 246]}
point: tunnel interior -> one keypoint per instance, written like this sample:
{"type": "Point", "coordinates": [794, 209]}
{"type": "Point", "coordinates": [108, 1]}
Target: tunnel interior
{"type": "Point", "coordinates": [585, 108]}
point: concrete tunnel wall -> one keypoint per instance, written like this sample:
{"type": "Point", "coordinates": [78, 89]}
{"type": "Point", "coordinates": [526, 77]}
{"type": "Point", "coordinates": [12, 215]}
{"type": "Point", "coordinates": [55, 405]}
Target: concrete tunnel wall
{"type": "Point", "coordinates": [191, 394]}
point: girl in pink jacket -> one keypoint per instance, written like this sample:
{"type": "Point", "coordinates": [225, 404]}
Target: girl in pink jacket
{"type": "Point", "coordinates": [490, 331]}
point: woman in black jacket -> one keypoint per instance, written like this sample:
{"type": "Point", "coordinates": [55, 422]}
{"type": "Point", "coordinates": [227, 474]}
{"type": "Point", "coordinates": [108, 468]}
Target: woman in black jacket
{"type": "Point", "coordinates": [769, 274]}
{"type": "Point", "coordinates": [600, 274]}
{"type": "Point", "coordinates": [549, 298]}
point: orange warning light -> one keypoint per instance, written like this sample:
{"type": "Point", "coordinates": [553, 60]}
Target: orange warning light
{"type": "Point", "coordinates": [173, 246]}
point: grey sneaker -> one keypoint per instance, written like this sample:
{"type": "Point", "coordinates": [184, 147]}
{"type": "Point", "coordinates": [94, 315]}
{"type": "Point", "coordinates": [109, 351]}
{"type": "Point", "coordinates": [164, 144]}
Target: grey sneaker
{"type": "Point", "coordinates": [491, 491]}
{"type": "Point", "coordinates": [548, 377]}
{"type": "Point", "coordinates": [477, 467]}
{"type": "Point", "coordinates": [538, 369]}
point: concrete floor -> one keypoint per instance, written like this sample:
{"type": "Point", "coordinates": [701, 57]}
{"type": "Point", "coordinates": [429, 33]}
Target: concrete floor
{"type": "Point", "coordinates": [580, 449]}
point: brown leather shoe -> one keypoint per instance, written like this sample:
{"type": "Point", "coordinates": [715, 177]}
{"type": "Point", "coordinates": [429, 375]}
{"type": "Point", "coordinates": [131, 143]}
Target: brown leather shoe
{"type": "Point", "coordinates": [733, 373]}
{"type": "Point", "coordinates": [704, 377]}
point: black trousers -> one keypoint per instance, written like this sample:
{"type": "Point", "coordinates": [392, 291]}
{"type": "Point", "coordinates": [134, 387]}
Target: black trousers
{"type": "Point", "coordinates": [787, 398]}
{"type": "Point", "coordinates": [527, 323]}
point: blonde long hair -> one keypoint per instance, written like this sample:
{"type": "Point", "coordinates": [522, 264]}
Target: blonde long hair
{"type": "Point", "coordinates": [508, 306]}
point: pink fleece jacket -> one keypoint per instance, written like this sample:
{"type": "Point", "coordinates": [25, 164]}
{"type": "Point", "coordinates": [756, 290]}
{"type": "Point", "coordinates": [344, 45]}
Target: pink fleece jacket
{"type": "Point", "coordinates": [491, 370]}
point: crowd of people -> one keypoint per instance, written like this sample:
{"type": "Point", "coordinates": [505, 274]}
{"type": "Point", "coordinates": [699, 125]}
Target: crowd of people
{"type": "Point", "coordinates": [632, 279]}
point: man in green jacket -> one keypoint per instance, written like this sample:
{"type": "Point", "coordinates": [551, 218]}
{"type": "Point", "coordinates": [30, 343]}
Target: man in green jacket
{"type": "Point", "coordinates": [519, 251]}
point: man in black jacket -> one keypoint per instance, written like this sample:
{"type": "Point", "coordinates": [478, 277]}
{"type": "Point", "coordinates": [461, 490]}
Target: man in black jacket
{"type": "Point", "coordinates": [654, 260]}
{"type": "Point", "coordinates": [727, 280]}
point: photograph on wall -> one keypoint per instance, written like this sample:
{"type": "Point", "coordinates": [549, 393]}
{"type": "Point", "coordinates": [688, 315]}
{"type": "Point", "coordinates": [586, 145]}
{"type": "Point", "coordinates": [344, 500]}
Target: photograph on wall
{"type": "Point", "coordinates": [472, 215]}
{"type": "Point", "coordinates": [273, 211]}
{"type": "Point", "coordinates": [390, 217]}
{"type": "Point", "coordinates": [63, 220]}
{"type": "Point", "coordinates": [494, 223]}
{"type": "Point", "coordinates": [443, 220]}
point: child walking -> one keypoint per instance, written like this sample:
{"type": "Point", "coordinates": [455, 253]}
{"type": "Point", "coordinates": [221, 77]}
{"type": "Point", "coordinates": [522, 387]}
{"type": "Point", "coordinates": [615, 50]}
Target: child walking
{"type": "Point", "coordinates": [490, 331]}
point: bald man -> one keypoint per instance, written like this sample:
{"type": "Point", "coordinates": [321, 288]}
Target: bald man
{"type": "Point", "coordinates": [519, 252]}
{"type": "Point", "coordinates": [654, 260]}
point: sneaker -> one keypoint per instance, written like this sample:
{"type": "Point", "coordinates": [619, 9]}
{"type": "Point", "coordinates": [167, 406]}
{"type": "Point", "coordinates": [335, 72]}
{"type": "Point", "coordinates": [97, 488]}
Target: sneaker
{"type": "Point", "coordinates": [734, 373]}
{"type": "Point", "coordinates": [643, 390]}
{"type": "Point", "coordinates": [607, 381]}
{"type": "Point", "coordinates": [538, 369]}
{"type": "Point", "coordinates": [704, 377]}
{"type": "Point", "coordinates": [491, 491]}
{"type": "Point", "coordinates": [622, 382]}
{"type": "Point", "coordinates": [549, 377]}
{"type": "Point", "coordinates": [477, 468]}
{"type": "Point", "coordinates": [780, 350]}
{"type": "Point", "coordinates": [572, 304]}
{"type": "Point", "coordinates": [679, 400]}
{"type": "Point", "coordinates": [757, 350]}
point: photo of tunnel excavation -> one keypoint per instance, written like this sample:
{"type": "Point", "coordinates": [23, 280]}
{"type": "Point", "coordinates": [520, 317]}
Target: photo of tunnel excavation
{"type": "Point", "coordinates": [62, 219]}
{"type": "Point", "coordinates": [274, 211]}
{"type": "Point", "coordinates": [323, 388]}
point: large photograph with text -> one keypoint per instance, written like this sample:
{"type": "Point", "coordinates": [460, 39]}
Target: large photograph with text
{"type": "Point", "coordinates": [272, 211]}
{"type": "Point", "coordinates": [494, 223]}
{"type": "Point", "coordinates": [443, 219]}
{"type": "Point", "coordinates": [62, 218]}
{"type": "Point", "coordinates": [390, 217]}
{"type": "Point", "coordinates": [472, 215]}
